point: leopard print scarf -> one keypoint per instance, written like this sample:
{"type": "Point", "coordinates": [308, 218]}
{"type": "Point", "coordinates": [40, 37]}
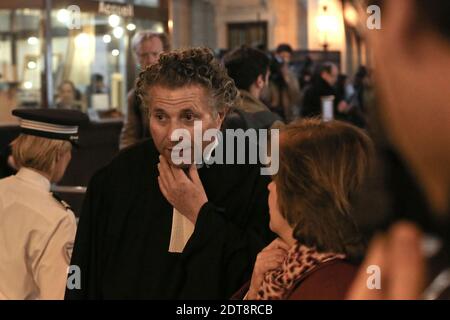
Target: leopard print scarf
{"type": "Point", "coordinates": [278, 283]}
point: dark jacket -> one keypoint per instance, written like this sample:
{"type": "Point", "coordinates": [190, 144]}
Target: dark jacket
{"type": "Point", "coordinates": [329, 281]}
{"type": "Point", "coordinates": [312, 105]}
{"type": "Point", "coordinates": [239, 119]}
{"type": "Point", "coordinates": [5, 169]}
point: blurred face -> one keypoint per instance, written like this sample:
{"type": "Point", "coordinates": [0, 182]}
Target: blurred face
{"type": "Point", "coordinates": [99, 85]}
{"type": "Point", "coordinates": [414, 96]}
{"type": "Point", "coordinates": [148, 52]}
{"type": "Point", "coordinates": [285, 56]}
{"type": "Point", "coordinates": [62, 162]}
{"type": "Point", "coordinates": [171, 109]}
{"type": "Point", "coordinates": [66, 93]}
{"type": "Point", "coordinates": [331, 77]}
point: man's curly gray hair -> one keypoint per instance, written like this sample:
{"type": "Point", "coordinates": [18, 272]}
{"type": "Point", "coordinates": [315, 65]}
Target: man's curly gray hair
{"type": "Point", "coordinates": [194, 66]}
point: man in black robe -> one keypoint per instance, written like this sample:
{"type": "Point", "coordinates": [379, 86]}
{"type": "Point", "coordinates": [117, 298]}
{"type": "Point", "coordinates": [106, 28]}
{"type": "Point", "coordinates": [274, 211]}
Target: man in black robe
{"type": "Point", "coordinates": [128, 244]}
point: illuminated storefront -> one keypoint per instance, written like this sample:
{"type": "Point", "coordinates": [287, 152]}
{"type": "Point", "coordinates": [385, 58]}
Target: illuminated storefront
{"type": "Point", "coordinates": [77, 41]}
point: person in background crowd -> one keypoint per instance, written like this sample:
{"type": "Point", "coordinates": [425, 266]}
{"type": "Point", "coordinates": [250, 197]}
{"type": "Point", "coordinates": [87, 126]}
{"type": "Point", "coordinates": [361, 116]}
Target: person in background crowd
{"type": "Point", "coordinates": [67, 97]}
{"type": "Point", "coordinates": [249, 68]}
{"type": "Point", "coordinates": [410, 53]}
{"type": "Point", "coordinates": [319, 246]}
{"type": "Point", "coordinates": [323, 84]}
{"type": "Point", "coordinates": [96, 86]}
{"type": "Point", "coordinates": [347, 110]}
{"type": "Point", "coordinates": [306, 72]}
{"type": "Point", "coordinates": [360, 83]}
{"type": "Point", "coordinates": [147, 47]}
{"type": "Point", "coordinates": [341, 88]}
{"type": "Point", "coordinates": [284, 93]}
{"type": "Point", "coordinates": [37, 229]}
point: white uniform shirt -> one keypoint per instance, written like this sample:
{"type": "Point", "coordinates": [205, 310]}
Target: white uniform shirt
{"type": "Point", "coordinates": [36, 238]}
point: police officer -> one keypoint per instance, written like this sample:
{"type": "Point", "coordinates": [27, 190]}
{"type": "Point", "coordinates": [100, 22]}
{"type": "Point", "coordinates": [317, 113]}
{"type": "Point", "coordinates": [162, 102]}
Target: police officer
{"type": "Point", "coordinates": [37, 230]}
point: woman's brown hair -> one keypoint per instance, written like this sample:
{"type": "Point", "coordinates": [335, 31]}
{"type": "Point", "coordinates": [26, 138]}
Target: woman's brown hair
{"type": "Point", "coordinates": [322, 165]}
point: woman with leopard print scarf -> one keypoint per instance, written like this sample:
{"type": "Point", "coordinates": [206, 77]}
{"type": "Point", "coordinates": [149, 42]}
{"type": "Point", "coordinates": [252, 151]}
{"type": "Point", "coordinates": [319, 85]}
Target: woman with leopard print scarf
{"type": "Point", "coordinates": [322, 164]}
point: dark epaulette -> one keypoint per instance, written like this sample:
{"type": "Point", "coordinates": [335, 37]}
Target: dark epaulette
{"type": "Point", "coordinates": [61, 201]}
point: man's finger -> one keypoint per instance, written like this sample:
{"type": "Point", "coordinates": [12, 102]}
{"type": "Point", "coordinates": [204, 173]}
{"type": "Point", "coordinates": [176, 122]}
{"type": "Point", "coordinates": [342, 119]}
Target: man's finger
{"type": "Point", "coordinates": [162, 181]}
{"type": "Point", "coordinates": [165, 172]}
{"type": "Point", "coordinates": [193, 175]}
{"type": "Point", "coordinates": [178, 174]}
{"type": "Point", "coordinates": [163, 175]}
{"type": "Point", "coordinates": [163, 187]}
{"type": "Point", "coordinates": [165, 166]}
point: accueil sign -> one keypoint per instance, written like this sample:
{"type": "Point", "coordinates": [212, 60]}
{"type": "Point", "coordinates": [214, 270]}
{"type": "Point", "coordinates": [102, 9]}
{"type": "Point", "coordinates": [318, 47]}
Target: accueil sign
{"type": "Point", "coordinates": [117, 9]}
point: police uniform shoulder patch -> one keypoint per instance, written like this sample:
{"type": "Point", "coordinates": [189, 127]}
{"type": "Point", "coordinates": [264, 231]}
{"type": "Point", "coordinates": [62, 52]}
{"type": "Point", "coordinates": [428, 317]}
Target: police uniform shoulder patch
{"type": "Point", "coordinates": [65, 205]}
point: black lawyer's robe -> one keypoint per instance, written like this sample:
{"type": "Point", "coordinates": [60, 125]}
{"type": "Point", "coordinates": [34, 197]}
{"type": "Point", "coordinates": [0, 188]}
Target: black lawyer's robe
{"type": "Point", "coordinates": [124, 230]}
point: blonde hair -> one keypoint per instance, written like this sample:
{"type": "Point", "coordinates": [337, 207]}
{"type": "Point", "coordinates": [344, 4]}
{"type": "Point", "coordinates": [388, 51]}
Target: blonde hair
{"type": "Point", "coordinates": [38, 153]}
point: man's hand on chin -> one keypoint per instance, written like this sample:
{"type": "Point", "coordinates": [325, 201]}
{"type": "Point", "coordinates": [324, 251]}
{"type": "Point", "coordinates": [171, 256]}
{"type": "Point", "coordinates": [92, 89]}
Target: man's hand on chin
{"type": "Point", "coordinates": [184, 192]}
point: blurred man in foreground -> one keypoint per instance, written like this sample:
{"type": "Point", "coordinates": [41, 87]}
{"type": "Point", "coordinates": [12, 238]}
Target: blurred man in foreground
{"type": "Point", "coordinates": [411, 51]}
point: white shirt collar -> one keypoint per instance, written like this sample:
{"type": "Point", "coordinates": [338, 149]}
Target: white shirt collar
{"type": "Point", "coordinates": [35, 178]}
